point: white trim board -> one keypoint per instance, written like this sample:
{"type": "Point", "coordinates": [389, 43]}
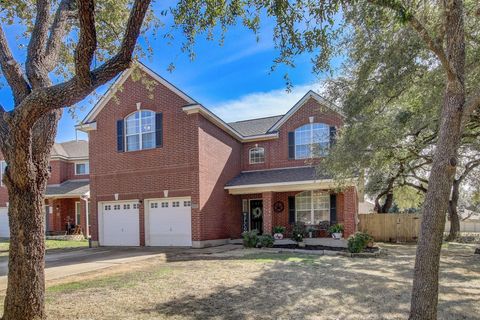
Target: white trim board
{"type": "Point", "coordinates": [117, 83]}
{"type": "Point", "coordinates": [300, 103]}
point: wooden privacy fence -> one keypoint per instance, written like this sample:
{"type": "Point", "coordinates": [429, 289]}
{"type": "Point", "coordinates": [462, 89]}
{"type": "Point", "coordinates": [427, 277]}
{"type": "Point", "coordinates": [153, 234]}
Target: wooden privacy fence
{"type": "Point", "coordinates": [391, 227]}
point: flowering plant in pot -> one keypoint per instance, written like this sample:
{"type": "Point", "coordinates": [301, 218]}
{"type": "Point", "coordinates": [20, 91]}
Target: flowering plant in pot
{"type": "Point", "coordinates": [278, 232]}
{"type": "Point", "coordinates": [336, 230]}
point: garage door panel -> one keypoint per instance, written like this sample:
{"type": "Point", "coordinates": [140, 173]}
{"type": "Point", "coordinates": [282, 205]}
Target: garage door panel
{"type": "Point", "coordinates": [121, 224]}
{"type": "Point", "coordinates": [4, 227]}
{"type": "Point", "coordinates": [169, 223]}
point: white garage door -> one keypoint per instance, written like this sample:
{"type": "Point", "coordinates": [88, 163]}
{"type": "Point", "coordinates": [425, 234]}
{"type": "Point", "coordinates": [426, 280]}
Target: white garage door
{"type": "Point", "coordinates": [168, 222]}
{"type": "Point", "coordinates": [120, 224]}
{"type": "Point", "coordinates": [4, 227]}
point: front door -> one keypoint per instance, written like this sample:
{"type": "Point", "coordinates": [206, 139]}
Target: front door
{"type": "Point", "coordinates": [256, 215]}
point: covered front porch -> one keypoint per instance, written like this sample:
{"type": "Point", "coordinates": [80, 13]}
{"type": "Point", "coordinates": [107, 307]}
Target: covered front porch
{"type": "Point", "coordinates": [283, 197]}
{"type": "Point", "coordinates": [67, 207]}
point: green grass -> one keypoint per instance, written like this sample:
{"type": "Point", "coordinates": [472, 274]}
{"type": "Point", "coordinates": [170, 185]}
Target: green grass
{"type": "Point", "coordinates": [50, 244]}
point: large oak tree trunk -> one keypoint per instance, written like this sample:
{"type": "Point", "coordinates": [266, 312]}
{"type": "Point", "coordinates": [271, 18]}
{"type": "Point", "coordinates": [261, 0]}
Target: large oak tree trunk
{"type": "Point", "coordinates": [425, 282]}
{"type": "Point", "coordinates": [453, 212]}
{"type": "Point", "coordinates": [26, 178]}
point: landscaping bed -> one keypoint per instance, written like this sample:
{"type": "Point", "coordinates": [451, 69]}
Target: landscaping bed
{"type": "Point", "coordinates": [319, 247]}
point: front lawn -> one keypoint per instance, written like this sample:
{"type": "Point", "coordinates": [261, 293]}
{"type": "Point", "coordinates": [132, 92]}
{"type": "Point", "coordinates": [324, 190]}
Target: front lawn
{"type": "Point", "coordinates": [50, 244]}
{"type": "Point", "coordinates": [257, 284]}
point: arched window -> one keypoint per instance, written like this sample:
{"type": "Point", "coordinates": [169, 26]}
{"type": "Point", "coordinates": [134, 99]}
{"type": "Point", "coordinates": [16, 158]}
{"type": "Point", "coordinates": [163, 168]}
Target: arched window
{"type": "Point", "coordinates": [312, 207]}
{"type": "Point", "coordinates": [140, 130]}
{"type": "Point", "coordinates": [256, 155]}
{"type": "Point", "coordinates": [311, 140]}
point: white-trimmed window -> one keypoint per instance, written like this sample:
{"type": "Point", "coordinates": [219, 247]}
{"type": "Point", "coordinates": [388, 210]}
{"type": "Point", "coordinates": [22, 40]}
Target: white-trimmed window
{"type": "Point", "coordinates": [164, 204]}
{"type": "Point", "coordinates": [3, 166]}
{"type": "Point", "coordinates": [154, 205]}
{"type": "Point", "coordinates": [82, 168]}
{"type": "Point", "coordinates": [187, 203]}
{"type": "Point", "coordinates": [78, 213]}
{"type": "Point", "coordinates": [256, 155]}
{"type": "Point", "coordinates": [140, 130]}
{"type": "Point", "coordinates": [312, 207]}
{"type": "Point", "coordinates": [311, 140]}
{"type": "Point", "coordinates": [176, 204]}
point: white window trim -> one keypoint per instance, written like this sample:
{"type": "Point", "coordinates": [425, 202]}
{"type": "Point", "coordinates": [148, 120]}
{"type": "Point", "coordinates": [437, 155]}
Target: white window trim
{"type": "Point", "coordinates": [250, 155]}
{"type": "Point", "coordinates": [311, 140]}
{"type": "Point", "coordinates": [3, 165]}
{"type": "Point", "coordinates": [87, 165]}
{"type": "Point", "coordinates": [312, 209]}
{"type": "Point", "coordinates": [77, 208]}
{"type": "Point", "coordinates": [140, 133]}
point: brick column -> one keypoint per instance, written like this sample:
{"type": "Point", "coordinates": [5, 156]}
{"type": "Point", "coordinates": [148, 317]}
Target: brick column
{"type": "Point", "coordinates": [141, 213]}
{"type": "Point", "coordinates": [350, 211]}
{"type": "Point", "coordinates": [267, 198]}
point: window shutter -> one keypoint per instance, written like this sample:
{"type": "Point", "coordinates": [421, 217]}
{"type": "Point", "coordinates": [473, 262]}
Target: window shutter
{"type": "Point", "coordinates": [159, 130]}
{"type": "Point", "coordinates": [291, 210]}
{"type": "Point", "coordinates": [291, 145]}
{"type": "Point", "coordinates": [120, 140]}
{"type": "Point", "coordinates": [333, 208]}
{"type": "Point", "coordinates": [333, 135]}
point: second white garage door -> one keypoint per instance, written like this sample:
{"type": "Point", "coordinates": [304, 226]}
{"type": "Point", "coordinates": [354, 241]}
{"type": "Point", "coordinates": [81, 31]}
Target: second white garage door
{"type": "Point", "coordinates": [4, 227]}
{"type": "Point", "coordinates": [168, 222]}
{"type": "Point", "coordinates": [120, 224]}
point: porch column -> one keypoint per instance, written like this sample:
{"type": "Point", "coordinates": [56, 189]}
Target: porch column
{"type": "Point", "coordinates": [267, 198]}
{"type": "Point", "coordinates": [350, 208]}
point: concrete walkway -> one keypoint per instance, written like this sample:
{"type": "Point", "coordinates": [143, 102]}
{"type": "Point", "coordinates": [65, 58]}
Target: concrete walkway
{"type": "Point", "coordinates": [67, 262]}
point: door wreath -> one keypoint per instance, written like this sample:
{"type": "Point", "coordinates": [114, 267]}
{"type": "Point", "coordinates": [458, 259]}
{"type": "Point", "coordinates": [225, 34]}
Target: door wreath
{"type": "Point", "coordinates": [257, 212]}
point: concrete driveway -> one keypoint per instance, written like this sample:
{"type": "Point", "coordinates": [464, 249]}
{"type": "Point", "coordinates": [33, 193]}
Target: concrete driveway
{"type": "Point", "coordinates": [66, 262]}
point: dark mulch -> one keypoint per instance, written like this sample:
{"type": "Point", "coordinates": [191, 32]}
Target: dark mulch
{"type": "Point", "coordinates": [295, 246]}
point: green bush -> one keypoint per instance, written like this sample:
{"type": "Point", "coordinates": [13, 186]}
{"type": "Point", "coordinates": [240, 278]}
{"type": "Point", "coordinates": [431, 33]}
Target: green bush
{"type": "Point", "coordinates": [358, 241]}
{"type": "Point", "coordinates": [279, 229]}
{"type": "Point", "coordinates": [335, 228]}
{"type": "Point", "coordinates": [250, 239]}
{"type": "Point", "coordinates": [266, 241]}
{"type": "Point", "coordinates": [298, 231]}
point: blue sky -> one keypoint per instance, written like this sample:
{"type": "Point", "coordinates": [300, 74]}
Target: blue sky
{"type": "Point", "coordinates": [233, 80]}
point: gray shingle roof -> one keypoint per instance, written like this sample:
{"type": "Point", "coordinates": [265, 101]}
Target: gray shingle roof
{"type": "Point", "coordinates": [71, 149]}
{"type": "Point", "coordinates": [254, 127]}
{"type": "Point", "coordinates": [69, 188]}
{"type": "Point", "coordinates": [276, 176]}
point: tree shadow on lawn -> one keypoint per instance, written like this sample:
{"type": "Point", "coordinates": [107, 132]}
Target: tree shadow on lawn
{"type": "Point", "coordinates": [299, 287]}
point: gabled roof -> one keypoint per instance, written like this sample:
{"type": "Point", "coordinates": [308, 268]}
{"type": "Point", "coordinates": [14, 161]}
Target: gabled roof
{"type": "Point", "coordinates": [253, 127]}
{"type": "Point", "coordinates": [300, 103]}
{"type": "Point", "coordinates": [118, 83]}
{"type": "Point", "coordinates": [75, 149]}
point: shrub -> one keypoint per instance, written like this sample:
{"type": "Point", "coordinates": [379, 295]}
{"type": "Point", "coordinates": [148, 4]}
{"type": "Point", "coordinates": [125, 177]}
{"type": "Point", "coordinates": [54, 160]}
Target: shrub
{"type": "Point", "coordinates": [250, 239]}
{"type": "Point", "coordinates": [266, 241]}
{"type": "Point", "coordinates": [298, 231]}
{"type": "Point", "coordinates": [336, 228]}
{"type": "Point", "coordinates": [358, 241]}
{"type": "Point", "coordinates": [279, 229]}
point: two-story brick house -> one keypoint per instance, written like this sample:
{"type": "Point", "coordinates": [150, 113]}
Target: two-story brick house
{"type": "Point", "coordinates": [166, 171]}
{"type": "Point", "coordinates": [67, 194]}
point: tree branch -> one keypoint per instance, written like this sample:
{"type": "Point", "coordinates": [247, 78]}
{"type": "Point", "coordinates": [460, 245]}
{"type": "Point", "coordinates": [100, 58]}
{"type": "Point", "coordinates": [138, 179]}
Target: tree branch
{"type": "Point", "coordinates": [57, 32]}
{"type": "Point", "coordinates": [87, 43]}
{"type": "Point", "coordinates": [76, 89]}
{"type": "Point", "coordinates": [36, 72]}
{"type": "Point", "coordinates": [433, 44]}
{"type": "Point", "coordinates": [12, 71]}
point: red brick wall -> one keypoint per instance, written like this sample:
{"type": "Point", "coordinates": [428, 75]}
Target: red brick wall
{"type": "Point", "coordinates": [276, 151]}
{"type": "Point", "coordinates": [219, 162]}
{"type": "Point", "coordinates": [146, 173]}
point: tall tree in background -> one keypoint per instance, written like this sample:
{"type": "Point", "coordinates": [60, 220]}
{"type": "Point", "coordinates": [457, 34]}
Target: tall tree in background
{"type": "Point", "coordinates": [442, 29]}
{"type": "Point", "coordinates": [64, 37]}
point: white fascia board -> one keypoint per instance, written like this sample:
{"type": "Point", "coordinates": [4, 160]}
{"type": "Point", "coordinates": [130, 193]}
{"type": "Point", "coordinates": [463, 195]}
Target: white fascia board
{"type": "Point", "coordinates": [86, 127]}
{"type": "Point", "coordinates": [197, 108]}
{"type": "Point", "coordinates": [300, 103]}
{"type": "Point", "coordinates": [121, 79]}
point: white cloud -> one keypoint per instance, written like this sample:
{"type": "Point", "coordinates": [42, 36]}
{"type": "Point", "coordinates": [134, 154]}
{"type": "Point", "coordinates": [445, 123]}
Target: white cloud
{"type": "Point", "coordinates": [262, 104]}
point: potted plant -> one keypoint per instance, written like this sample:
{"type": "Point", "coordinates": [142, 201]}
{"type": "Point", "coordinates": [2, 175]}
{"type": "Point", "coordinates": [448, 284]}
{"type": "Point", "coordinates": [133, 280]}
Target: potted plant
{"type": "Point", "coordinates": [278, 232]}
{"type": "Point", "coordinates": [298, 232]}
{"type": "Point", "coordinates": [310, 231]}
{"type": "Point", "coordinates": [336, 231]}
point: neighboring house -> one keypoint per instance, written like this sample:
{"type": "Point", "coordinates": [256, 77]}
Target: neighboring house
{"type": "Point", "coordinates": [166, 171]}
{"type": "Point", "coordinates": [67, 190]}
